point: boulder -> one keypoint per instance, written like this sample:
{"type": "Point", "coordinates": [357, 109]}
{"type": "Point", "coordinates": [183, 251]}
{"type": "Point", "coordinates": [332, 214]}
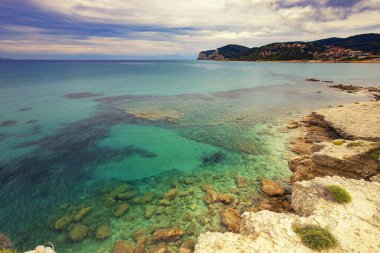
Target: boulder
{"type": "Point", "coordinates": [167, 234]}
{"type": "Point", "coordinates": [160, 248]}
{"type": "Point", "coordinates": [171, 194]}
{"type": "Point", "coordinates": [210, 197]}
{"type": "Point", "coordinates": [78, 232]}
{"type": "Point", "coordinates": [271, 188]}
{"type": "Point", "coordinates": [126, 195]}
{"type": "Point", "coordinates": [231, 218]}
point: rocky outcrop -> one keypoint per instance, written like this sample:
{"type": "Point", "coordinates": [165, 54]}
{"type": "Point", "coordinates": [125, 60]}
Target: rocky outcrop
{"type": "Point", "coordinates": [231, 218]}
{"type": "Point", "coordinates": [43, 249]}
{"type": "Point", "coordinates": [352, 159]}
{"type": "Point", "coordinates": [267, 231]}
{"type": "Point", "coordinates": [271, 188]}
{"type": "Point", "coordinates": [167, 234]}
{"type": "Point", "coordinates": [358, 121]}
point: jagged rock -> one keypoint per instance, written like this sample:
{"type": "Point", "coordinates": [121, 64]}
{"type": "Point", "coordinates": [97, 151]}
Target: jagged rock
{"type": "Point", "coordinates": [167, 234]}
{"type": "Point", "coordinates": [187, 247]}
{"type": "Point", "coordinates": [231, 219]}
{"type": "Point", "coordinates": [63, 222]}
{"type": "Point", "coordinates": [82, 213]}
{"type": "Point", "coordinates": [354, 121]}
{"type": "Point", "coordinates": [103, 232]}
{"type": "Point", "coordinates": [78, 232]}
{"type": "Point", "coordinates": [121, 210]}
{"type": "Point", "coordinates": [123, 247]}
{"type": "Point", "coordinates": [271, 188]}
{"type": "Point", "coordinates": [267, 231]}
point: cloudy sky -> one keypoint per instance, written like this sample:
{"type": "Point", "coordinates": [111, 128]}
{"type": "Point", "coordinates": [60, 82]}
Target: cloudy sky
{"type": "Point", "coordinates": [171, 29]}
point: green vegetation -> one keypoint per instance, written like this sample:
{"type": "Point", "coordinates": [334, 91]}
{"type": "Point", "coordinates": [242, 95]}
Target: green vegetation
{"type": "Point", "coordinates": [354, 144]}
{"type": "Point", "coordinates": [340, 194]}
{"type": "Point", "coordinates": [7, 251]}
{"type": "Point", "coordinates": [315, 237]}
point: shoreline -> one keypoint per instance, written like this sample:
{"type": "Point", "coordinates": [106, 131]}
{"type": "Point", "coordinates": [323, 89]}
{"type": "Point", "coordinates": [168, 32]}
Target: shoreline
{"type": "Point", "coordinates": [303, 61]}
{"type": "Point", "coordinates": [329, 151]}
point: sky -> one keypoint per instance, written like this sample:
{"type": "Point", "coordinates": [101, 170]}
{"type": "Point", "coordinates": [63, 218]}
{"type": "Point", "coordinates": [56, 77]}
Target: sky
{"type": "Point", "coordinates": [171, 29]}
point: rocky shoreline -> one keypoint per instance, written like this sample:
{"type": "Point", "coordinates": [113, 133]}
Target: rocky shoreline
{"type": "Point", "coordinates": [331, 143]}
{"type": "Point", "coordinates": [337, 146]}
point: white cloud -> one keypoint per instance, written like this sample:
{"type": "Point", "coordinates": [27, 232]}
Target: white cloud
{"type": "Point", "coordinates": [214, 22]}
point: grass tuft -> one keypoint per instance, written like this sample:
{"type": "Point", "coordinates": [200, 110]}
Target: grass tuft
{"type": "Point", "coordinates": [315, 237]}
{"type": "Point", "coordinates": [340, 194]}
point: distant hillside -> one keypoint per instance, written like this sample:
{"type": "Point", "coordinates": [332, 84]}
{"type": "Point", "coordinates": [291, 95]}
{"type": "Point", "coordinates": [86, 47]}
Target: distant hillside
{"type": "Point", "coordinates": [365, 42]}
{"type": "Point", "coordinates": [359, 47]}
{"type": "Point", "coordinates": [223, 53]}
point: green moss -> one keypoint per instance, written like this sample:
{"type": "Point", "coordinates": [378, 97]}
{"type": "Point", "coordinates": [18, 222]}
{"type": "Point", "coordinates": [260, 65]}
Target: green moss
{"type": "Point", "coordinates": [315, 237]}
{"type": "Point", "coordinates": [338, 142]}
{"type": "Point", "coordinates": [340, 194]}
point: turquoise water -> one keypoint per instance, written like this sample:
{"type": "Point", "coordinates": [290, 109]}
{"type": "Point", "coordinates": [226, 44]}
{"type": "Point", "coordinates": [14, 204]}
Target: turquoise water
{"type": "Point", "coordinates": [73, 131]}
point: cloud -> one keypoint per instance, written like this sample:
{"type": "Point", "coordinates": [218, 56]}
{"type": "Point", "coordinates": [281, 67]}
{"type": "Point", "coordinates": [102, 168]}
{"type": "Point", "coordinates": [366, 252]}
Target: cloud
{"type": "Point", "coordinates": [154, 27]}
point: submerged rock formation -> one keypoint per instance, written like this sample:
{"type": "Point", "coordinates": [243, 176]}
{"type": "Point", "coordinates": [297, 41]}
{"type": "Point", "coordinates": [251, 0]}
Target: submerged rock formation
{"type": "Point", "coordinates": [267, 231]}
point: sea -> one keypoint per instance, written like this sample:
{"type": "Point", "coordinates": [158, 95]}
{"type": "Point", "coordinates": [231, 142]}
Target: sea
{"type": "Point", "coordinates": [123, 148]}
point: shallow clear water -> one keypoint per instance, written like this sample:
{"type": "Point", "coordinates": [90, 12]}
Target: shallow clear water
{"type": "Point", "coordinates": [73, 131]}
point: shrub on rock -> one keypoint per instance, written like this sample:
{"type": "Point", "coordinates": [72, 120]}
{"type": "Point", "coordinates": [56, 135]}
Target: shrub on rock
{"type": "Point", "coordinates": [315, 237]}
{"type": "Point", "coordinates": [340, 194]}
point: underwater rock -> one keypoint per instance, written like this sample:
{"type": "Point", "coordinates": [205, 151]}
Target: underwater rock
{"type": "Point", "coordinates": [78, 232]}
{"type": "Point", "coordinates": [109, 201]}
{"type": "Point", "coordinates": [149, 211]}
{"type": "Point", "coordinates": [241, 182]}
{"type": "Point", "coordinates": [231, 218]}
{"type": "Point", "coordinates": [213, 158]}
{"type": "Point", "coordinates": [121, 210]}
{"type": "Point", "coordinates": [63, 222]}
{"type": "Point", "coordinates": [119, 189]}
{"type": "Point", "coordinates": [140, 245]}
{"type": "Point", "coordinates": [271, 188]}
{"type": "Point", "coordinates": [187, 246]}
{"type": "Point", "coordinates": [123, 247]}
{"type": "Point", "coordinates": [187, 216]}
{"type": "Point", "coordinates": [103, 232]}
{"type": "Point", "coordinates": [82, 213]}
{"type": "Point", "coordinates": [7, 123]}
{"type": "Point", "coordinates": [211, 197]}
{"type": "Point", "coordinates": [171, 194]}
{"type": "Point", "coordinates": [160, 210]}
{"type": "Point", "coordinates": [164, 202]}
{"type": "Point", "coordinates": [148, 197]}
{"type": "Point", "coordinates": [292, 125]}
{"type": "Point", "coordinates": [126, 195]}
{"type": "Point", "coordinates": [5, 242]}
{"type": "Point", "coordinates": [167, 234]}
{"type": "Point", "coordinates": [160, 248]}
{"type": "Point", "coordinates": [225, 198]}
